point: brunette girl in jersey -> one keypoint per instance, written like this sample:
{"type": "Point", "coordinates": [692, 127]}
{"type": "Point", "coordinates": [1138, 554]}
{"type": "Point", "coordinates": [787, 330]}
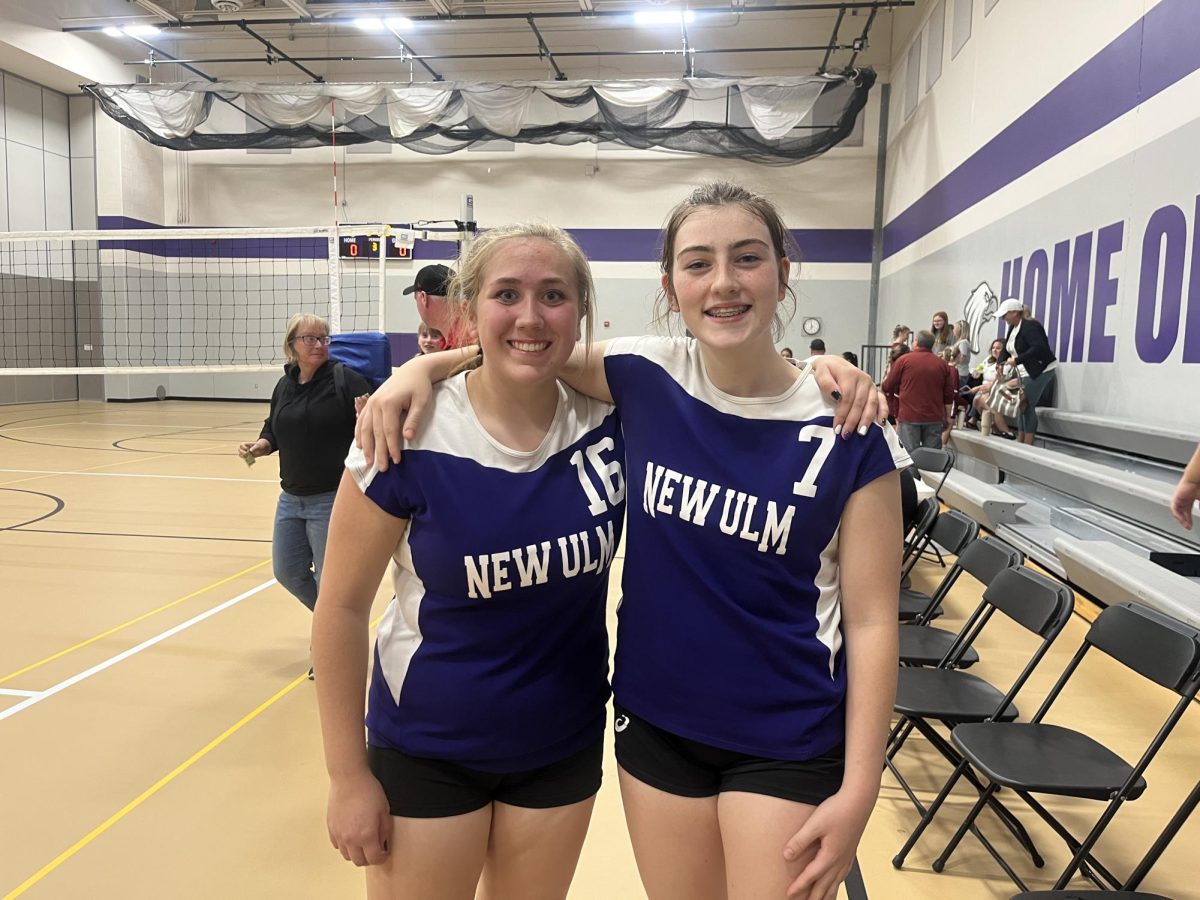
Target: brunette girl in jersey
{"type": "Point", "coordinates": [501, 520]}
{"type": "Point", "coordinates": [756, 650]}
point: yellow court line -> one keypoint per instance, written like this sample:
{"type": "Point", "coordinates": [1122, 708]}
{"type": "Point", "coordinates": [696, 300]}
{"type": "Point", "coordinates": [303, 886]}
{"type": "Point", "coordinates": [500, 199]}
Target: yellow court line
{"type": "Point", "coordinates": [148, 793]}
{"type": "Point", "coordinates": [133, 621]}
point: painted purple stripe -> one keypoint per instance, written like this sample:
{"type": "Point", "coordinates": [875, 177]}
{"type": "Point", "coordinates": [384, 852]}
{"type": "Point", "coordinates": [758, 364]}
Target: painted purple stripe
{"type": "Point", "coordinates": [1148, 57]}
{"type": "Point", "coordinates": [817, 245]}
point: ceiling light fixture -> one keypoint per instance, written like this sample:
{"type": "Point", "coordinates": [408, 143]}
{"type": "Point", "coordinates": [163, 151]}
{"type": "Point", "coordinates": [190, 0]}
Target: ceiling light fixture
{"type": "Point", "coordinates": [370, 23]}
{"type": "Point", "coordinates": [398, 23]}
{"type": "Point", "coordinates": [140, 31]}
{"type": "Point", "coordinates": [663, 17]}
{"type": "Point", "coordinates": [113, 31]}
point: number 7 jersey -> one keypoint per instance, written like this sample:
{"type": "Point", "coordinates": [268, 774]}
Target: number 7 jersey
{"type": "Point", "coordinates": [730, 621]}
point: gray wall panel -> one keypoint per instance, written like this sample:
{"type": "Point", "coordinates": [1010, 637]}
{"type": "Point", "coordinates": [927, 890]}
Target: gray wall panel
{"type": "Point", "coordinates": [55, 127]}
{"type": "Point", "coordinates": [3, 185]}
{"type": "Point", "coordinates": [58, 192]}
{"type": "Point", "coordinates": [23, 111]}
{"type": "Point", "coordinates": [83, 128]}
{"type": "Point", "coordinates": [26, 187]}
{"type": "Point", "coordinates": [83, 193]}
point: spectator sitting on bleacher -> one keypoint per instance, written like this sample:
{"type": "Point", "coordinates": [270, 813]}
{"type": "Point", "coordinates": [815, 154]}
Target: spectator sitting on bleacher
{"type": "Point", "coordinates": [987, 371]}
{"type": "Point", "coordinates": [925, 385]}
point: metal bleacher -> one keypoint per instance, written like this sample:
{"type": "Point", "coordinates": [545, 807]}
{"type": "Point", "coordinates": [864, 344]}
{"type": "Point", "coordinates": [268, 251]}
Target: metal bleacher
{"type": "Point", "coordinates": [1097, 516]}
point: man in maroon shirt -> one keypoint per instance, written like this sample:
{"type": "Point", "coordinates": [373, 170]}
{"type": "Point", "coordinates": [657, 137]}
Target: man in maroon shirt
{"type": "Point", "coordinates": [925, 385]}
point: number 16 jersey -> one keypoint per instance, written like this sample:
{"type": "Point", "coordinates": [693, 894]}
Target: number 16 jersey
{"type": "Point", "coordinates": [494, 652]}
{"type": "Point", "coordinates": [730, 620]}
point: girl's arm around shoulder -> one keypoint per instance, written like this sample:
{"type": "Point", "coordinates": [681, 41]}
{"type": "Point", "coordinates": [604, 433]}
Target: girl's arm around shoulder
{"type": "Point", "coordinates": [869, 567]}
{"type": "Point", "coordinates": [401, 402]}
{"type": "Point", "coordinates": [584, 371]}
{"type": "Point", "coordinates": [362, 539]}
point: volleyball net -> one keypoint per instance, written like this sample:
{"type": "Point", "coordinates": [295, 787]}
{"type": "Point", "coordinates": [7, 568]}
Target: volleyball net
{"type": "Point", "coordinates": [182, 299]}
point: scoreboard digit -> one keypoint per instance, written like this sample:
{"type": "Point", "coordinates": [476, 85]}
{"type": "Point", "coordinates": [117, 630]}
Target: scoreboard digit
{"type": "Point", "coordinates": [361, 246]}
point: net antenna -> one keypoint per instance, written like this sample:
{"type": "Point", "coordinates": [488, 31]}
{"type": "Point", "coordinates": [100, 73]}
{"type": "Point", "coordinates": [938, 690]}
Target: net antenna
{"type": "Point", "coordinates": [141, 301]}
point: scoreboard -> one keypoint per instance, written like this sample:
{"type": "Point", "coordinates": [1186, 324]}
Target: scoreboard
{"type": "Point", "coordinates": [362, 246]}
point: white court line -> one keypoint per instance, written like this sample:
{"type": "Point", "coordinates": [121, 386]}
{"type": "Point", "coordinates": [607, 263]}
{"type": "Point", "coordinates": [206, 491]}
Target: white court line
{"type": "Point", "coordinates": [112, 661]}
{"type": "Point", "coordinates": [136, 475]}
{"type": "Point", "coordinates": [13, 692]}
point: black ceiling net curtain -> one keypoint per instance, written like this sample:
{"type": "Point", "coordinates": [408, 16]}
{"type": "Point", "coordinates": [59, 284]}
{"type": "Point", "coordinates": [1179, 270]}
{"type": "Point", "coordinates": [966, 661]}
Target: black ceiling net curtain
{"type": "Point", "coordinates": [768, 120]}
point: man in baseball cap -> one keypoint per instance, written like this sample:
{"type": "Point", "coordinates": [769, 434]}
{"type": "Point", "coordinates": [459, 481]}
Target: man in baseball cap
{"type": "Point", "coordinates": [431, 286]}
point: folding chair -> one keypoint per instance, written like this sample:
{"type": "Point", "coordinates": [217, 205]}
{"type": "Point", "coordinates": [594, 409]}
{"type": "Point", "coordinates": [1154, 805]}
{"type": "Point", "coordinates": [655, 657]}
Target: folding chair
{"type": "Point", "coordinates": [952, 531]}
{"type": "Point", "coordinates": [1037, 758]}
{"type": "Point", "coordinates": [918, 537]}
{"type": "Point", "coordinates": [921, 644]}
{"type": "Point", "coordinates": [929, 459]}
{"type": "Point", "coordinates": [952, 697]}
{"type": "Point", "coordinates": [1129, 890]}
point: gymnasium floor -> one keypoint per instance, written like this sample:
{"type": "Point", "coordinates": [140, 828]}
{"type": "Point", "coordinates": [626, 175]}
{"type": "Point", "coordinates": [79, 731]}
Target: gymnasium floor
{"type": "Point", "coordinates": [158, 737]}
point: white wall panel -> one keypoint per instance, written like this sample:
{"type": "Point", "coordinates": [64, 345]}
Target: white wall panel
{"type": "Point", "coordinates": [26, 188]}
{"type": "Point", "coordinates": [58, 192]}
{"type": "Point", "coordinates": [55, 123]}
{"type": "Point", "coordinates": [22, 111]}
{"type": "Point", "coordinates": [2, 131]}
{"type": "Point", "coordinates": [980, 92]}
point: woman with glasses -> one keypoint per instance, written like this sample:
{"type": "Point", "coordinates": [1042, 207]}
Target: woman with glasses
{"type": "Point", "coordinates": [311, 424]}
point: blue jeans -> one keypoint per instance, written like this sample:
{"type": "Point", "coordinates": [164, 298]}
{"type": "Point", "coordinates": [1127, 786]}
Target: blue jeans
{"type": "Point", "coordinates": [298, 544]}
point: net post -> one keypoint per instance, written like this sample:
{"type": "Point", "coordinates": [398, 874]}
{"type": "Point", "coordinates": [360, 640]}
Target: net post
{"type": "Point", "coordinates": [335, 280]}
{"type": "Point", "coordinates": [383, 239]}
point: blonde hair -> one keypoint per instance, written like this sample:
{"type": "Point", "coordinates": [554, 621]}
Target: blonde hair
{"type": "Point", "coordinates": [295, 323]}
{"type": "Point", "coordinates": [962, 330]}
{"type": "Point", "coordinates": [465, 286]}
{"type": "Point", "coordinates": [716, 195]}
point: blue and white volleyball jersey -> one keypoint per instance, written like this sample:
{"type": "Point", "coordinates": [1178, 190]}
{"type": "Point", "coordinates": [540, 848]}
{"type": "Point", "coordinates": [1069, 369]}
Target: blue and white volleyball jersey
{"type": "Point", "coordinates": [494, 652]}
{"type": "Point", "coordinates": [729, 627]}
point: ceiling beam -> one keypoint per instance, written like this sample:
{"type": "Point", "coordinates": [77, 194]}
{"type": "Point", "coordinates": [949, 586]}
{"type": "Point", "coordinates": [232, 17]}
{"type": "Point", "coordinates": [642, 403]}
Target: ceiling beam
{"type": "Point", "coordinates": [169, 17]}
{"type": "Point", "coordinates": [559, 74]}
{"type": "Point", "coordinates": [597, 15]}
{"type": "Point", "coordinates": [404, 57]}
{"type": "Point", "coordinates": [274, 52]}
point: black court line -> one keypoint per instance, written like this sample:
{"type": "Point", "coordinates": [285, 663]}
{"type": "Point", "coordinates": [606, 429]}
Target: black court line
{"type": "Point", "coordinates": [109, 449]}
{"type": "Point", "coordinates": [166, 537]}
{"type": "Point", "coordinates": [59, 505]}
{"type": "Point", "coordinates": [119, 444]}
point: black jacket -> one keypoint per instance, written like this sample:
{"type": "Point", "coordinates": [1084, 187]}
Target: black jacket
{"type": "Point", "coordinates": [312, 427]}
{"type": "Point", "coordinates": [1033, 348]}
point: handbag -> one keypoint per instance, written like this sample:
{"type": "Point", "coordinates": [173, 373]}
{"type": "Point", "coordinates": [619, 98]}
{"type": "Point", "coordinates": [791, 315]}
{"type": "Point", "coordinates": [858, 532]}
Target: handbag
{"type": "Point", "coordinates": [1006, 401]}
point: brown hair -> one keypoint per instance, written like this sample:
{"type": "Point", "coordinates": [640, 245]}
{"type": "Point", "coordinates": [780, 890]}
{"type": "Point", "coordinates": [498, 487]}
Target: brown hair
{"type": "Point", "coordinates": [463, 292]}
{"type": "Point", "coordinates": [715, 195]}
{"type": "Point", "coordinates": [295, 323]}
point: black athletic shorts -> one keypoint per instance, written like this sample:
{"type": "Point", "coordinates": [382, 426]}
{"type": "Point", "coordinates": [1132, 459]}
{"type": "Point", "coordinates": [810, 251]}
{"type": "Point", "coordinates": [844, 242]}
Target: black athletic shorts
{"type": "Point", "coordinates": [434, 788]}
{"type": "Point", "coordinates": [691, 769]}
